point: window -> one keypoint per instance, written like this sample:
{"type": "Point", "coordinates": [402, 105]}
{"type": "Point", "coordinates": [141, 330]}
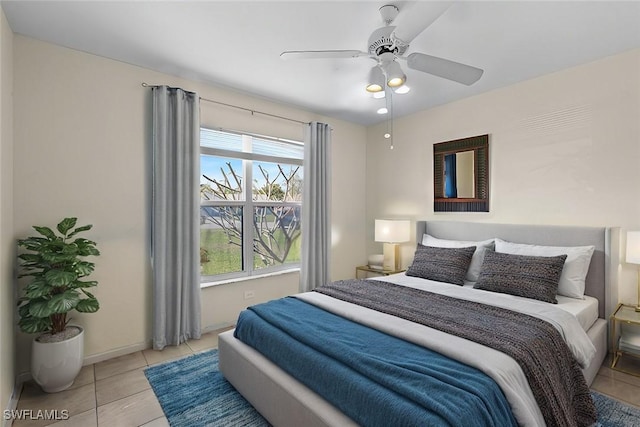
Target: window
{"type": "Point", "coordinates": [250, 204]}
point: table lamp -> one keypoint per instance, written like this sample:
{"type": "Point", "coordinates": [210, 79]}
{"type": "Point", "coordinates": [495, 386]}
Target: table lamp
{"type": "Point", "coordinates": [391, 232]}
{"type": "Point", "coordinates": [633, 256]}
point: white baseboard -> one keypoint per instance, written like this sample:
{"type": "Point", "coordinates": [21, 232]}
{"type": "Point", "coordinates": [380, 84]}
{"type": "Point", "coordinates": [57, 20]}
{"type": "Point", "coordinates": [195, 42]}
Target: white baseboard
{"type": "Point", "coordinates": [23, 377]}
{"type": "Point", "coordinates": [101, 357]}
{"type": "Point", "coordinates": [95, 358]}
{"type": "Point", "coordinates": [216, 327]}
{"type": "Point", "coordinates": [13, 402]}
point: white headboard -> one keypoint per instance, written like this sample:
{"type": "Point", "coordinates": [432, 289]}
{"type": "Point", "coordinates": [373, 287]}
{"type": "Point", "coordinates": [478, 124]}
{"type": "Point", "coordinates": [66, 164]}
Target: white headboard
{"type": "Point", "coordinates": [601, 275]}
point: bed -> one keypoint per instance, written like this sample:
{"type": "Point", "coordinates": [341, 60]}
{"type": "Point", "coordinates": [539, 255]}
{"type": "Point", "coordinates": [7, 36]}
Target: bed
{"type": "Point", "coordinates": [285, 401]}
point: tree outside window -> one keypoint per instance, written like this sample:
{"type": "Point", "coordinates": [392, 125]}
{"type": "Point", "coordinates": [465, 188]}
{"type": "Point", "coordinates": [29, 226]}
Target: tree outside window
{"type": "Point", "coordinates": [251, 200]}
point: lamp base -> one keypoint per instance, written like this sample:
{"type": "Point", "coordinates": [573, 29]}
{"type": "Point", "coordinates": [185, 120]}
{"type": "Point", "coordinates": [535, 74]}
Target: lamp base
{"type": "Point", "coordinates": [391, 256]}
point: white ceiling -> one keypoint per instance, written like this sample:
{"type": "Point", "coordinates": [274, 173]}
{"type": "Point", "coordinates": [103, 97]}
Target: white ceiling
{"type": "Point", "coordinates": [237, 44]}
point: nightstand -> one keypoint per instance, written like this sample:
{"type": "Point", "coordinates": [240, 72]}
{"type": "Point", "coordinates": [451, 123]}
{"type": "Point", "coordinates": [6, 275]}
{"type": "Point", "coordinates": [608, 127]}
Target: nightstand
{"type": "Point", "coordinates": [368, 271]}
{"type": "Point", "coordinates": [628, 342]}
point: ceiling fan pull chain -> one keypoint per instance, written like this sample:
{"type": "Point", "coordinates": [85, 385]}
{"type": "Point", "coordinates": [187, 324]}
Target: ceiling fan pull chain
{"type": "Point", "coordinates": [389, 133]}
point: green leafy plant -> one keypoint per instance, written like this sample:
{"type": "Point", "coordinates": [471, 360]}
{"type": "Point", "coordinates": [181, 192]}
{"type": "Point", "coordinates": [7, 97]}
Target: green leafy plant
{"type": "Point", "coordinates": [57, 267]}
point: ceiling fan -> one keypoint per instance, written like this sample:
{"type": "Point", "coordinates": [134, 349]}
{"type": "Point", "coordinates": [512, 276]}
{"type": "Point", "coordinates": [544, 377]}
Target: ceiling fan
{"type": "Point", "coordinates": [389, 43]}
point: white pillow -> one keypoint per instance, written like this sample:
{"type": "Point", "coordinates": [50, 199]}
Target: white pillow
{"type": "Point", "coordinates": [478, 256]}
{"type": "Point", "coordinates": [575, 268]}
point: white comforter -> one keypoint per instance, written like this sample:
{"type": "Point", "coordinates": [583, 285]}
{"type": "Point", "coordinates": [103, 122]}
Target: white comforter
{"type": "Point", "coordinates": [504, 370]}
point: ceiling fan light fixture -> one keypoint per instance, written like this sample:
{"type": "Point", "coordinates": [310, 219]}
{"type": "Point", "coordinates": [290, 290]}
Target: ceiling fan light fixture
{"type": "Point", "coordinates": [395, 82]}
{"type": "Point", "coordinates": [376, 80]}
{"type": "Point", "coordinates": [395, 75]}
{"type": "Point", "coordinates": [402, 89]}
{"type": "Point", "coordinates": [374, 88]}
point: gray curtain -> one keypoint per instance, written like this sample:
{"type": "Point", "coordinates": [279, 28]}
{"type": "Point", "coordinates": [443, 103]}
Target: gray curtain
{"type": "Point", "coordinates": [175, 216]}
{"type": "Point", "coordinates": [316, 209]}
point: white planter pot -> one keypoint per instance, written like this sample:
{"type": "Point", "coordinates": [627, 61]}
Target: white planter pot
{"type": "Point", "coordinates": [55, 365]}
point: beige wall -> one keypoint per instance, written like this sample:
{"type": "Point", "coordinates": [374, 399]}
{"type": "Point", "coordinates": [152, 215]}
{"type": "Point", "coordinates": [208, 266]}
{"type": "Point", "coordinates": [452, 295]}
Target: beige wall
{"type": "Point", "coordinates": [564, 149]}
{"type": "Point", "coordinates": [7, 247]}
{"type": "Point", "coordinates": [82, 135]}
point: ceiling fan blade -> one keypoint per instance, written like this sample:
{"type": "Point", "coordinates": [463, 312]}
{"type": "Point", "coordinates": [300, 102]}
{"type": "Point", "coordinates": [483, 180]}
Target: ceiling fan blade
{"type": "Point", "coordinates": [321, 54]}
{"type": "Point", "coordinates": [415, 18]}
{"type": "Point", "coordinates": [461, 73]}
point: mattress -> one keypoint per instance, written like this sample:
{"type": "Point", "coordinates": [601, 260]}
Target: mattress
{"type": "Point", "coordinates": [585, 310]}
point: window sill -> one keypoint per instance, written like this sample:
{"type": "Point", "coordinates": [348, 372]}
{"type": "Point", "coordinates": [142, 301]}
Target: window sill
{"type": "Point", "coordinates": [247, 278]}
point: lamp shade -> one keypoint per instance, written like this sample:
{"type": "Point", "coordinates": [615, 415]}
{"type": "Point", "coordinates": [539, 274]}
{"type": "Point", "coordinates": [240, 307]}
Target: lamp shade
{"type": "Point", "coordinates": [376, 80]}
{"type": "Point", "coordinates": [633, 247]}
{"type": "Point", "coordinates": [392, 230]}
{"type": "Point", "coordinates": [395, 75]}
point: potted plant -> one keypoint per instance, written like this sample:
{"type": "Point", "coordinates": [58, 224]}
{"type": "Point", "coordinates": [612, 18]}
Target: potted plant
{"type": "Point", "coordinates": [55, 263]}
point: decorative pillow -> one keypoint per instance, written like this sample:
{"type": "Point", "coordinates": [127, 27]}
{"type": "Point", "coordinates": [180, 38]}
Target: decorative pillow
{"type": "Point", "coordinates": [478, 255]}
{"type": "Point", "coordinates": [575, 267]}
{"type": "Point", "coordinates": [447, 265]}
{"type": "Point", "coordinates": [534, 277]}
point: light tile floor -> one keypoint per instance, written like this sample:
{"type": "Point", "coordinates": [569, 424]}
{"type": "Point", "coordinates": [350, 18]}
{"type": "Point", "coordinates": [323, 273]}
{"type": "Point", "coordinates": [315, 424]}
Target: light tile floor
{"type": "Point", "coordinates": [111, 393]}
{"type": "Point", "coordinates": [116, 393]}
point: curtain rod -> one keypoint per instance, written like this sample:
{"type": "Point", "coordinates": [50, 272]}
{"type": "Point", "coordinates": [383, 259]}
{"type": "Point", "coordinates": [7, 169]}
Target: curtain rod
{"type": "Point", "coordinates": [241, 108]}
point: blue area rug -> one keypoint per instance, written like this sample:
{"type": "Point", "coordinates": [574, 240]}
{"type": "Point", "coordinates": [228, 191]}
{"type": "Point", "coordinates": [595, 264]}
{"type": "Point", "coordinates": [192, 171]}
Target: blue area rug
{"type": "Point", "coordinates": [612, 413]}
{"type": "Point", "coordinates": [193, 393]}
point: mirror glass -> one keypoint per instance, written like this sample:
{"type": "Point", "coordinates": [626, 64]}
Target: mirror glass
{"type": "Point", "coordinates": [461, 182]}
{"type": "Point", "coordinates": [459, 175]}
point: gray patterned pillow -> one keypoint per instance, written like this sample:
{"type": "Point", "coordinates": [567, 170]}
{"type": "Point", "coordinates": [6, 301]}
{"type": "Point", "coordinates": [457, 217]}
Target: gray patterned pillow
{"type": "Point", "coordinates": [447, 265]}
{"type": "Point", "coordinates": [526, 276]}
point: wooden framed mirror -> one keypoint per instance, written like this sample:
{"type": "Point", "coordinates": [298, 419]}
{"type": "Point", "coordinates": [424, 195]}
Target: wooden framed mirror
{"type": "Point", "coordinates": [461, 175]}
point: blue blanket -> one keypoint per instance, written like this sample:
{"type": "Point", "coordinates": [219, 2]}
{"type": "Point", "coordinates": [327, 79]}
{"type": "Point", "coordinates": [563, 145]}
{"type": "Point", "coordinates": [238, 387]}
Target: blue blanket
{"type": "Point", "coordinates": [374, 378]}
